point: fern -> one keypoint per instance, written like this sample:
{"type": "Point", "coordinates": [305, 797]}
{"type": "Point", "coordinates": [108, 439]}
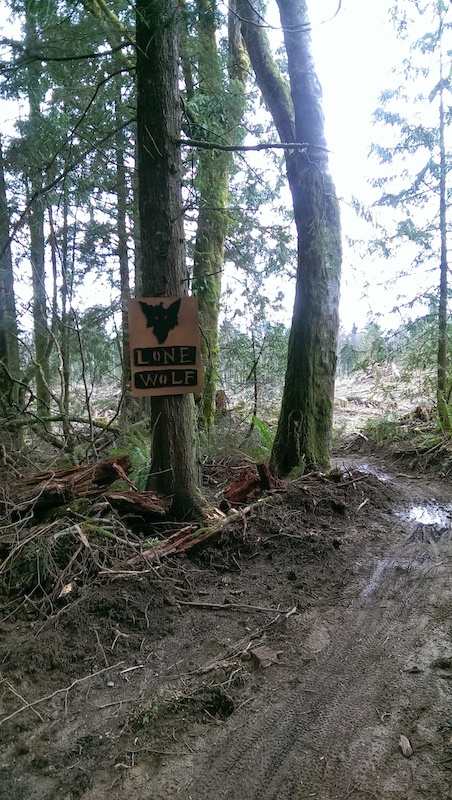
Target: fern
{"type": "Point", "coordinates": [136, 443]}
{"type": "Point", "coordinates": [266, 434]}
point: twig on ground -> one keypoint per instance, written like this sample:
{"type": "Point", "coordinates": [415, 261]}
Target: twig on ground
{"type": "Point", "coordinates": [236, 606]}
{"type": "Point", "coordinates": [115, 702]}
{"type": "Point", "coordinates": [14, 691]}
{"type": "Point", "coordinates": [66, 689]}
{"type": "Point", "coordinates": [101, 648]}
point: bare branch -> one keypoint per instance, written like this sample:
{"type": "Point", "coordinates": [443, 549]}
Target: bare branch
{"type": "Point", "coordinates": [244, 148]}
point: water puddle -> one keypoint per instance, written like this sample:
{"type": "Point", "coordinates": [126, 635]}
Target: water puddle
{"type": "Point", "coordinates": [369, 470]}
{"type": "Point", "coordinates": [431, 515]}
{"type": "Point", "coordinates": [428, 521]}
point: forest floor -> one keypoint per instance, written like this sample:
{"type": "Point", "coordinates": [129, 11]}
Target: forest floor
{"type": "Point", "coordinates": [305, 652]}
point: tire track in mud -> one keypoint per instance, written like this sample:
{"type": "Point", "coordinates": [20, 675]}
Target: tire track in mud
{"type": "Point", "coordinates": [307, 741]}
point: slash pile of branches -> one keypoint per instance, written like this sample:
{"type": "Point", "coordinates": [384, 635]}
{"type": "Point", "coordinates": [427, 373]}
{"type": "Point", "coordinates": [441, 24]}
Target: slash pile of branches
{"type": "Point", "coordinates": [60, 527]}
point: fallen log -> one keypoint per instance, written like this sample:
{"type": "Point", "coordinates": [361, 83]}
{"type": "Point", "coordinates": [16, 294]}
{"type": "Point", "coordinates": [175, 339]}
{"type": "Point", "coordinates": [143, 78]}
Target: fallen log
{"type": "Point", "coordinates": [191, 535]}
{"type": "Point", "coordinates": [146, 505]}
{"type": "Point", "coordinates": [55, 487]}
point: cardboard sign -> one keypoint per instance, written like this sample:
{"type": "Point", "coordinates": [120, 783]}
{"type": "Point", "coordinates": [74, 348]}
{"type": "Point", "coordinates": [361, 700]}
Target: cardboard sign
{"type": "Point", "coordinates": [164, 346]}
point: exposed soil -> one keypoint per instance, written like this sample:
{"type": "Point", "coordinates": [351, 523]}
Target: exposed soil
{"type": "Point", "coordinates": [285, 659]}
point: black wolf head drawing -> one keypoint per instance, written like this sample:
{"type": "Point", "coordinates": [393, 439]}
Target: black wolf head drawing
{"type": "Point", "coordinates": [162, 320]}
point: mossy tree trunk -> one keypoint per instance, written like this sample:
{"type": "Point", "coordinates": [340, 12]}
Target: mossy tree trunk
{"type": "Point", "coordinates": [304, 428]}
{"type": "Point", "coordinates": [9, 343]}
{"type": "Point", "coordinates": [122, 197]}
{"type": "Point", "coordinates": [174, 469]}
{"type": "Point", "coordinates": [212, 183]}
{"type": "Point", "coordinates": [223, 103]}
{"type": "Point", "coordinates": [442, 358]}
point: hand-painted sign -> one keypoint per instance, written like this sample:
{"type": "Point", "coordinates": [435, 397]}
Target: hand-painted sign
{"type": "Point", "coordinates": [164, 346]}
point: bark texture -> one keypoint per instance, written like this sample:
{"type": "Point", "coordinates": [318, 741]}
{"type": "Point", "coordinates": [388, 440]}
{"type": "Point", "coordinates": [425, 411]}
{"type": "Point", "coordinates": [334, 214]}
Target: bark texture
{"type": "Point", "coordinates": [174, 469]}
{"type": "Point", "coordinates": [9, 345]}
{"type": "Point", "coordinates": [304, 428]}
{"type": "Point", "coordinates": [128, 405]}
{"type": "Point", "coordinates": [41, 335]}
{"type": "Point", "coordinates": [225, 110]}
{"type": "Point", "coordinates": [212, 182]}
{"type": "Point", "coordinates": [442, 359]}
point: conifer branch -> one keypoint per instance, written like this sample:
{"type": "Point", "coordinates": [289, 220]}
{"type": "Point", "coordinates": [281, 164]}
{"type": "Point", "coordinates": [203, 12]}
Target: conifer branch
{"type": "Point", "coordinates": [245, 148]}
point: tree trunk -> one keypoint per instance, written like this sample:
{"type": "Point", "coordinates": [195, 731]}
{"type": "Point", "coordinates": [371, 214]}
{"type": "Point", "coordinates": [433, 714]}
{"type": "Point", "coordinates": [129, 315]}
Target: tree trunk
{"type": "Point", "coordinates": [441, 389]}
{"type": "Point", "coordinates": [304, 428]}
{"type": "Point", "coordinates": [122, 193]}
{"type": "Point", "coordinates": [36, 225]}
{"type": "Point", "coordinates": [66, 296]}
{"type": "Point", "coordinates": [174, 470]}
{"type": "Point", "coordinates": [9, 343]}
{"type": "Point", "coordinates": [62, 324]}
{"type": "Point", "coordinates": [212, 182]}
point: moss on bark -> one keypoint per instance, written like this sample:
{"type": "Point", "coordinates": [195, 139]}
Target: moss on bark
{"type": "Point", "coordinates": [305, 422]}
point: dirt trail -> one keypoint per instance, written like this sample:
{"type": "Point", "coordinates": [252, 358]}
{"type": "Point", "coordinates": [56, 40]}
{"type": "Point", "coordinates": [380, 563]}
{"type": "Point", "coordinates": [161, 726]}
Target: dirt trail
{"type": "Point", "coordinates": [364, 658]}
{"type": "Point", "coordinates": [326, 739]}
{"type": "Point", "coordinates": [368, 679]}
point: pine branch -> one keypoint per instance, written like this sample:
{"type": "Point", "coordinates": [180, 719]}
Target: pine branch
{"type": "Point", "coordinates": [244, 148]}
{"type": "Point", "coordinates": [111, 23]}
{"type": "Point", "coordinates": [29, 57]}
{"type": "Point", "coordinates": [51, 185]}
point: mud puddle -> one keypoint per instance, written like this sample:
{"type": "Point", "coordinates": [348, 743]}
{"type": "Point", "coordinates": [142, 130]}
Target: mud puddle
{"type": "Point", "coordinates": [371, 470]}
{"type": "Point", "coordinates": [432, 515]}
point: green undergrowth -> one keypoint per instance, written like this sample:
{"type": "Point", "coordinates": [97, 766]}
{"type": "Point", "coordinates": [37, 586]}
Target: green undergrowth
{"type": "Point", "coordinates": [136, 443]}
{"type": "Point", "coordinates": [414, 440]}
{"type": "Point", "coordinates": [233, 437]}
{"type": "Point", "coordinates": [385, 429]}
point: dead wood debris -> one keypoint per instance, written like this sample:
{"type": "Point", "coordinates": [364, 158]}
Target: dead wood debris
{"type": "Point", "coordinates": [81, 530]}
{"type": "Point", "coordinates": [249, 485]}
{"type": "Point", "coordinates": [146, 505]}
{"type": "Point", "coordinates": [192, 535]}
{"type": "Point", "coordinates": [53, 488]}
{"type": "Point", "coordinates": [47, 490]}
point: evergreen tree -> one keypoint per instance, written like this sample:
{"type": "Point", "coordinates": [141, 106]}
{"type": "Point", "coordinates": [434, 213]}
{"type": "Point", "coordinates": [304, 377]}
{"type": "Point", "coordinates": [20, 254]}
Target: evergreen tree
{"type": "Point", "coordinates": [9, 343]}
{"type": "Point", "coordinates": [174, 470]}
{"type": "Point", "coordinates": [64, 158]}
{"type": "Point", "coordinates": [305, 422]}
{"type": "Point", "coordinates": [214, 112]}
{"type": "Point", "coordinates": [416, 190]}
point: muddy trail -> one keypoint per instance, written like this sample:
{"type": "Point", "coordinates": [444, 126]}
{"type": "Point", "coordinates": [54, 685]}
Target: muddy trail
{"type": "Point", "coordinates": [306, 652]}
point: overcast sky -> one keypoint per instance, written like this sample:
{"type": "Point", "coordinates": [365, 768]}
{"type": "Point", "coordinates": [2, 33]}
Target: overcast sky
{"type": "Point", "coordinates": [354, 51]}
{"type": "Point", "coordinates": [354, 54]}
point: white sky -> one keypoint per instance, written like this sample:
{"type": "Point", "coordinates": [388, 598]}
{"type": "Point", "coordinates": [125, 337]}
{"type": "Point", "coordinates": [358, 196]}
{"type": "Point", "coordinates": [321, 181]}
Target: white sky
{"type": "Point", "coordinates": [354, 52]}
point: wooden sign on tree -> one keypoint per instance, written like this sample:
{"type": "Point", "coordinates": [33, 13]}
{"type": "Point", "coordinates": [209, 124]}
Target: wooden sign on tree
{"type": "Point", "coordinates": [164, 346]}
